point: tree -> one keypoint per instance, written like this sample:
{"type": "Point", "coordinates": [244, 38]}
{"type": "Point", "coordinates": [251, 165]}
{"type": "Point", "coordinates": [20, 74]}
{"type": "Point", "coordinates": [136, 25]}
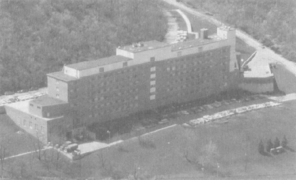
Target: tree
{"type": "Point", "coordinates": [276, 142]}
{"type": "Point", "coordinates": [3, 154]}
{"type": "Point", "coordinates": [37, 37]}
{"type": "Point", "coordinates": [269, 146]}
{"type": "Point", "coordinates": [37, 145]}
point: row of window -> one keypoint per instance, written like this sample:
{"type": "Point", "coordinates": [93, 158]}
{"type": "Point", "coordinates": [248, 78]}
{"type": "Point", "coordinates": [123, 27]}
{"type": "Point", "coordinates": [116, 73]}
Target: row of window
{"type": "Point", "coordinates": [114, 110]}
{"type": "Point", "coordinates": [31, 125]}
{"type": "Point", "coordinates": [201, 56]}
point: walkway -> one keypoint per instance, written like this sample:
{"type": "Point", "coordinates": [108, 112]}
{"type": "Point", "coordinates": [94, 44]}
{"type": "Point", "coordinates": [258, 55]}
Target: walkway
{"type": "Point", "coordinates": [187, 21]}
{"type": "Point", "coordinates": [27, 153]}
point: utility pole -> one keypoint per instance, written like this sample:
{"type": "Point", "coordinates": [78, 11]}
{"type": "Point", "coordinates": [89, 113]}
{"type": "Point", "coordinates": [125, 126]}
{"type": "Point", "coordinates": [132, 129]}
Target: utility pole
{"type": "Point", "coordinates": [246, 152]}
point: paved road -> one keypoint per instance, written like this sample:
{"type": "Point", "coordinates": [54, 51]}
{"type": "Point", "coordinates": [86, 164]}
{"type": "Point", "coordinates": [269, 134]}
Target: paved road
{"type": "Point", "coordinates": [270, 56]}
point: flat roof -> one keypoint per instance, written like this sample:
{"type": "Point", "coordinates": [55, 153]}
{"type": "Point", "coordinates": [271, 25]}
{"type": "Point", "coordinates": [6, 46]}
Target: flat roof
{"type": "Point", "coordinates": [23, 106]}
{"type": "Point", "coordinates": [195, 42]}
{"type": "Point", "coordinates": [47, 101]}
{"type": "Point", "coordinates": [61, 76]}
{"type": "Point", "coordinates": [144, 46]}
{"type": "Point", "coordinates": [96, 63]}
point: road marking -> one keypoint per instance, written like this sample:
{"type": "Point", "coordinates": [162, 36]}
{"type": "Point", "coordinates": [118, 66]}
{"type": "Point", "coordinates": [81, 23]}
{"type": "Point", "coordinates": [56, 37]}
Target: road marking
{"type": "Point", "coordinates": [160, 130]}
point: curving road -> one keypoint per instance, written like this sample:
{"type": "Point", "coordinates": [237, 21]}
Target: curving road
{"type": "Point", "coordinates": [269, 55]}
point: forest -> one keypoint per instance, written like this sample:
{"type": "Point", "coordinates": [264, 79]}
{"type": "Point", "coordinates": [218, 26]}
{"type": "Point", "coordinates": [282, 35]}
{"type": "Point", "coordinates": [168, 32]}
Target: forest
{"type": "Point", "coordinates": [40, 36]}
{"type": "Point", "coordinates": [272, 22]}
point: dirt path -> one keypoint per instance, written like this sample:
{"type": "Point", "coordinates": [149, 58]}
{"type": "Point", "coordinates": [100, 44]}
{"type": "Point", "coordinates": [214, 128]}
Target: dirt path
{"type": "Point", "coordinates": [269, 55]}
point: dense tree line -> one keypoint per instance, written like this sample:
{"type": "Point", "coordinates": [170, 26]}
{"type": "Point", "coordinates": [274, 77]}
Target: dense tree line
{"type": "Point", "coordinates": [270, 21]}
{"type": "Point", "coordinates": [40, 36]}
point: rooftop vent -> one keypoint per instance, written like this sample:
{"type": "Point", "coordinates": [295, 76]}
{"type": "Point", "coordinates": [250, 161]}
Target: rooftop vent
{"type": "Point", "coordinates": [137, 45]}
{"type": "Point", "coordinates": [204, 33]}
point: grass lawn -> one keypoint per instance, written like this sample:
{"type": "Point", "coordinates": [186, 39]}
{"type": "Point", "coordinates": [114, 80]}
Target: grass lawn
{"type": "Point", "coordinates": [14, 143]}
{"type": "Point", "coordinates": [162, 153]}
{"type": "Point", "coordinates": [237, 144]}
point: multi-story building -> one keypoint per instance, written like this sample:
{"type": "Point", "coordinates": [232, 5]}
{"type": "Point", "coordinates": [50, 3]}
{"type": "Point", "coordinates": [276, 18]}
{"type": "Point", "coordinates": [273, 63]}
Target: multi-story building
{"type": "Point", "coordinates": [139, 77]}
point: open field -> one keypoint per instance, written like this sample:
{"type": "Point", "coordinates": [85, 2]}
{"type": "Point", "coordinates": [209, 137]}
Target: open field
{"type": "Point", "coordinates": [234, 140]}
{"type": "Point", "coordinates": [162, 153]}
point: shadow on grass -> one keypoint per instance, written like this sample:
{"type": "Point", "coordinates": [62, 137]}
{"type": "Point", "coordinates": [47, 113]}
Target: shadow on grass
{"type": "Point", "coordinates": [289, 149]}
{"type": "Point", "coordinates": [147, 144]}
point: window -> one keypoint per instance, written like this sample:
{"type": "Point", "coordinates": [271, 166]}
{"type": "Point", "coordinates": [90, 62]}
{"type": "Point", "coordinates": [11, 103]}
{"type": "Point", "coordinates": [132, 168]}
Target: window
{"type": "Point", "coordinates": [152, 69]}
{"type": "Point", "coordinates": [48, 114]}
{"type": "Point", "coordinates": [152, 90]}
{"type": "Point", "coordinates": [124, 64]}
{"type": "Point", "coordinates": [152, 76]}
{"type": "Point", "coordinates": [152, 83]}
{"type": "Point", "coordinates": [101, 70]}
{"type": "Point", "coordinates": [179, 53]}
{"type": "Point", "coordinates": [152, 97]}
{"type": "Point", "coordinates": [152, 59]}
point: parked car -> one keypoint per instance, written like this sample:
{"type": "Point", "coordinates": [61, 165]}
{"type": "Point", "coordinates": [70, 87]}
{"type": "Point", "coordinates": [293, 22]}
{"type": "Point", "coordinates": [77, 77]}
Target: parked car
{"type": "Point", "coordinates": [71, 147]}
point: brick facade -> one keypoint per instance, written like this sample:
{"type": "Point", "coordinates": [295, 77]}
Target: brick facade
{"type": "Point", "coordinates": [139, 77]}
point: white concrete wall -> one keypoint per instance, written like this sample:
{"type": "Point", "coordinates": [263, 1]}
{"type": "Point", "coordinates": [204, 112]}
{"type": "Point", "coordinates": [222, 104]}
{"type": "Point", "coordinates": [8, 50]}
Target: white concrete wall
{"type": "Point", "coordinates": [124, 53]}
{"type": "Point", "coordinates": [229, 34]}
{"type": "Point", "coordinates": [71, 72]}
{"type": "Point", "coordinates": [257, 88]}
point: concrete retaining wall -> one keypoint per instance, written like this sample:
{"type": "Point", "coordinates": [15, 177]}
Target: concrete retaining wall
{"type": "Point", "coordinates": [2, 110]}
{"type": "Point", "coordinates": [285, 80]}
{"type": "Point", "coordinates": [258, 85]}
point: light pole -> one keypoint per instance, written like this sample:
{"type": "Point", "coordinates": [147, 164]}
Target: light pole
{"type": "Point", "coordinates": [109, 135]}
{"type": "Point", "coordinates": [107, 131]}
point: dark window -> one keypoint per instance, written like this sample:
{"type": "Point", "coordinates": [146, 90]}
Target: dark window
{"type": "Point", "coordinates": [101, 69]}
{"type": "Point", "coordinates": [179, 53]}
{"type": "Point", "coordinates": [152, 59]}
